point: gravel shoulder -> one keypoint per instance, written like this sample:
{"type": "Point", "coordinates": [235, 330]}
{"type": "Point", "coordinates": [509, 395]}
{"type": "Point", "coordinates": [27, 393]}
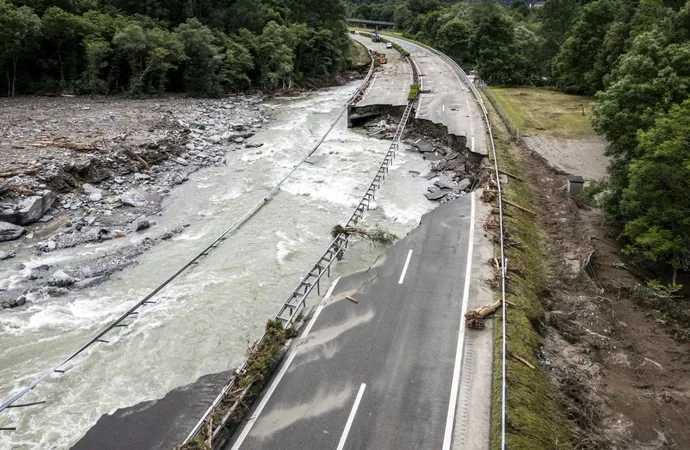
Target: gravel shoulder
{"type": "Point", "coordinates": [76, 171]}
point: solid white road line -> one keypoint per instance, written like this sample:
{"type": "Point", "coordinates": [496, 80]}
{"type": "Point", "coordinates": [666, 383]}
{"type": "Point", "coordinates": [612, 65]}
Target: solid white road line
{"type": "Point", "coordinates": [351, 419]}
{"type": "Point", "coordinates": [274, 384]}
{"type": "Point", "coordinates": [407, 263]}
{"type": "Point", "coordinates": [252, 420]}
{"type": "Point", "coordinates": [450, 419]}
{"type": "Point", "coordinates": [319, 308]}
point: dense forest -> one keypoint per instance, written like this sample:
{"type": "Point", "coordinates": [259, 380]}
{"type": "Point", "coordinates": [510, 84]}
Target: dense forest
{"type": "Point", "coordinates": [632, 55]}
{"type": "Point", "coordinates": [147, 46]}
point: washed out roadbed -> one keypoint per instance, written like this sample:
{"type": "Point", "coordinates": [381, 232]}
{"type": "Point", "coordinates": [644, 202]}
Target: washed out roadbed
{"type": "Point", "coordinates": [77, 170]}
{"type": "Point", "coordinates": [606, 374]}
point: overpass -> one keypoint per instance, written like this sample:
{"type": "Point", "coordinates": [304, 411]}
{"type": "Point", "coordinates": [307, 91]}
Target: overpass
{"type": "Point", "coordinates": [378, 23]}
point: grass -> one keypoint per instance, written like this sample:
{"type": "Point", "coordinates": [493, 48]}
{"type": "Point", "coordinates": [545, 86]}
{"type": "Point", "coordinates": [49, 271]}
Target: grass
{"type": "Point", "coordinates": [545, 112]}
{"type": "Point", "coordinates": [260, 360]}
{"type": "Point", "coordinates": [536, 414]}
{"type": "Point", "coordinates": [414, 92]}
{"type": "Point", "coordinates": [359, 56]}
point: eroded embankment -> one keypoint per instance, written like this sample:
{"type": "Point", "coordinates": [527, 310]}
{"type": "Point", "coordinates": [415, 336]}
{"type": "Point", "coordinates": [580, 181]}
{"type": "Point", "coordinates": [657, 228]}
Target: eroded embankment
{"type": "Point", "coordinates": [604, 373]}
{"type": "Point", "coordinates": [536, 414]}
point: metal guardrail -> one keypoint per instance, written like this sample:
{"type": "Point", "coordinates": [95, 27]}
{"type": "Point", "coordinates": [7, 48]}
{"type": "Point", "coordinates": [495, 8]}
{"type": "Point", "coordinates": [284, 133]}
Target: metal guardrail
{"type": "Point", "coordinates": [504, 265]}
{"type": "Point", "coordinates": [133, 311]}
{"type": "Point", "coordinates": [296, 301]}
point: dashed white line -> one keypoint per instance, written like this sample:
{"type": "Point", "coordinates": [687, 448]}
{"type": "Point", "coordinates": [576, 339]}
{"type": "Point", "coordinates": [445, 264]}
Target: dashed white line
{"type": "Point", "coordinates": [407, 263]}
{"type": "Point", "coordinates": [351, 418]}
{"type": "Point", "coordinates": [450, 419]}
{"type": "Point", "coordinates": [444, 107]}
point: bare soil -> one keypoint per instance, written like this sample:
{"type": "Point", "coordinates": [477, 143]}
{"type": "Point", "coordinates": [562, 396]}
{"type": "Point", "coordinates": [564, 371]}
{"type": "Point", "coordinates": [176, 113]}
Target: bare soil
{"type": "Point", "coordinates": [625, 380]}
{"type": "Point", "coordinates": [583, 156]}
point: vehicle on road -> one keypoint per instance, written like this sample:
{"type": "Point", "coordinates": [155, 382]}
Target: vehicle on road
{"type": "Point", "coordinates": [389, 45]}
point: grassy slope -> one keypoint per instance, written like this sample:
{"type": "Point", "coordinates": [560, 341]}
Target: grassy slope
{"type": "Point", "coordinates": [359, 57]}
{"type": "Point", "coordinates": [545, 112]}
{"type": "Point", "coordinates": [536, 415]}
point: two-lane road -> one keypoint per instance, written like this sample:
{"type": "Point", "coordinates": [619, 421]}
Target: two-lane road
{"type": "Point", "coordinates": [382, 373]}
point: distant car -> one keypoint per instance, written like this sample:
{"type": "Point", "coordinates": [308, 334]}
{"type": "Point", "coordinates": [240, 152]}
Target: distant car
{"type": "Point", "coordinates": [389, 45]}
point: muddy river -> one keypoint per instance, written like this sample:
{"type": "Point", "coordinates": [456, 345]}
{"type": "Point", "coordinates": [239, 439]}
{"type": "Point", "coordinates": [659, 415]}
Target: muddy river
{"type": "Point", "coordinates": [205, 320]}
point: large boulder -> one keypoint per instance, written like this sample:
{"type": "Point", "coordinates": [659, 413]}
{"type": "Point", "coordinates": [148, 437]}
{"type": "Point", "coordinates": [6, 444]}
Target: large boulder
{"type": "Point", "coordinates": [10, 232]}
{"type": "Point", "coordinates": [133, 198]}
{"type": "Point", "coordinates": [29, 209]}
{"type": "Point", "coordinates": [60, 279]}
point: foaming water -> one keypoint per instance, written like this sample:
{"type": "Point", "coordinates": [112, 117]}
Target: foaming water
{"type": "Point", "coordinates": [204, 321]}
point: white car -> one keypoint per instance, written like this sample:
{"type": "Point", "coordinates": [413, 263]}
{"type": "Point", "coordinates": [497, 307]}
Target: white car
{"type": "Point", "coordinates": [389, 45]}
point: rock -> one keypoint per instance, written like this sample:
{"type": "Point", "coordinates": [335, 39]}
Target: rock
{"type": "Point", "coordinates": [215, 139]}
{"type": "Point", "coordinates": [190, 146]}
{"type": "Point", "coordinates": [5, 305]}
{"type": "Point", "coordinates": [141, 176]}
{"type": "Point", "coordinates": [9, 232]}
{"type": "Point", "coordinates": [133, 198]}
{"type": "Point", "coordinates": [89, 189]}
{"type": "Point", "coordinates": [239, 128]}
{"type": "Point", "coordinates": [6, 255]}
{"type": "Point", "coordinates": [60, 279]}
{"type": "Point", "coordinates": [181, 161]}
{"type": "Point", "coordinates": [250, 145]}
{"type": "Point", "coordinates": [464, 184]}
{"type": "Point", "coordinates": [29, 210]}
{"type": "Point", "coordinates": [143, 224]}
{"type": "Point", "coordinates": [47, 246]}
{"type": "Point", "coordinates": [46, 218]}
{"type": "Point", "coordinates": [239, 140]}
{"type": "Point", "coordinates": [119, 180]}
{"type": "Point", "coordinates": [484, 162]}
{"type": "Point", "coordinates": [20, 301]}
{"type": "Point", "coordinates": [179, 178]}
{"type": "Point", "coordinates": [88, 282]}
{"type": "Point", "coordinates": [430, 175]}
{"type": "Point", "coordinates": [413, 172]}
{"type": "Point", "coordinates": [436, 195]}
{"type": "Point", "coordinates": [503, 178]}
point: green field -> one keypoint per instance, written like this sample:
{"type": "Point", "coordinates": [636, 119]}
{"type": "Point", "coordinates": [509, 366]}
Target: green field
{"type": "Point", "coordinates": [545, 112]}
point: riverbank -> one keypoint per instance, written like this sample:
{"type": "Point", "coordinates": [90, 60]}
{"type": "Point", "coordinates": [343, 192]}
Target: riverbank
{"type": "Point", "coordinates": [83, 170]}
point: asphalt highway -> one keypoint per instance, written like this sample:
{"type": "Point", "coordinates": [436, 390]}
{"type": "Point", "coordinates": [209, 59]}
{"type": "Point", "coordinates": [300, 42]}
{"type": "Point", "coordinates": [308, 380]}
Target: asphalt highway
{"type": "Point", "coordinates": [391, 82]}
{"type": "Point", "coordinates": [445, 98]}
{"type": "Point", "coordinates": [383, 371]}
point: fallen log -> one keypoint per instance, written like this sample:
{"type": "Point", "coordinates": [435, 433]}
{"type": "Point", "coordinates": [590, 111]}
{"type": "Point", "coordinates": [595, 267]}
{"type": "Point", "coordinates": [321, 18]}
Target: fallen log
{"type": "Point", "coordinates": [521, 208]}
{"type": "Point", "coordinates": [475, 318]}
{"type": "Point", "coordinates": [62, 142]}
{"type": "Point", "coordinates": [12, 173]}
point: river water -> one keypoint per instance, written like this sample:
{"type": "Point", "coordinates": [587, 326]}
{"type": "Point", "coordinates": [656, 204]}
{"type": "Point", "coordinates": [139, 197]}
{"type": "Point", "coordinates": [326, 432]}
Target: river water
{"type": "Point", "coordinates": [205, 320]}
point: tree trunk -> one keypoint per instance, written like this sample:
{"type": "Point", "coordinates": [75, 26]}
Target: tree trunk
{"type": "Point", "coordinates": [675, 274]}
{"type": "Point", "coordinates": [14, 75]}
{"type": "Point", "coordinates": [9, 83]}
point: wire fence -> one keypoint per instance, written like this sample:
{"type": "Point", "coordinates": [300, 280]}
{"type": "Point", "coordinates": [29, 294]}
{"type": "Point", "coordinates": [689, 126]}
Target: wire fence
{"type": "Point", "coordinates": [512, 127]}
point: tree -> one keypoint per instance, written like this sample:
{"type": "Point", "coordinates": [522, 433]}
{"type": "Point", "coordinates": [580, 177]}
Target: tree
{"type": "Point", "coordinates": [20, 29]}
{"type": "Point", "coordinates": [97, 52]}
{"type": "Point", "coordinates": [402, 17]}
{"type": "Point", "coordinates": [203, 58]}
{"type": "Point", "coordinates": [454, 39]}
{"type": "Point", "coordinates": [275, 56]}
{"type": "Point", "coordinates": [656, 202]}
{"type": "Point", "coordinates": [131, 44]}
{"type": "Point", "coordinates": [63, 31]}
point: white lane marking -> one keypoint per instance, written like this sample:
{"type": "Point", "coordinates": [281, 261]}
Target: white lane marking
{"type": "Point", "coordinates": [407, 263]}
{"type": "Point", "coordinates": [351, 419]}
{"type": "Point", "coordinates": [444, 107]}
{"type": "Point", "coordinates": [252, 420]}
{"type": "Point", "coordinates": [274, 384]}
{"type": "Point", "coordinates": [320, 307]}
{"type": "Point", "coordinates": [450, 419]}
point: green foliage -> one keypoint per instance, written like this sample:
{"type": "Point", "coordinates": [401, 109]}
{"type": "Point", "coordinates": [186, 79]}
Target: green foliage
{"type": "Point", "coordinates": [414, 92]}
{"type": "Point", "coordinates": [206, 47]}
